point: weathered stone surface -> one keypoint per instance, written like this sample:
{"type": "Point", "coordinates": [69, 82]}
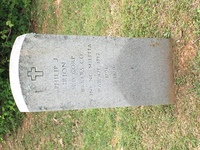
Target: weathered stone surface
{"type": "Point", "coordinates": [58, 72]}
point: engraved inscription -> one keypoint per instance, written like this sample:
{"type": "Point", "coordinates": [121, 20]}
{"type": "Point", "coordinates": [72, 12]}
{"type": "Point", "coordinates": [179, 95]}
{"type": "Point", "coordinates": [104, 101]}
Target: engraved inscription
{"type": "Point", "coordinates": [89, 56]}
{"type": "Point", "coordinates": [73, 71]}
{"type": "Point", "coordinates": [64, 73]}
{"type": "Point", "coordinates": [83, 73]}
{"type": "Point", "coordinates": [114, 72]}
{"type": "Point", "coordinates": [56, 74]}
{"type": "Point", "coordinates": [98, 61]}
{"type": "Point", "coordinates": [34, 74]}
{"type": "Point", "coordinates": [90, 59]}
{"type": "Point", "coordinates": [106, 72]}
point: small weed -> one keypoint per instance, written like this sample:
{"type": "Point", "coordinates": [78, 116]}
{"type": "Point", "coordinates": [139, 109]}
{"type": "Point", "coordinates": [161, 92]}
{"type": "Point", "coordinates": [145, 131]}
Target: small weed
{"type": "Point", "coordinates": [15, 16]}
{"type": "Point", "coordinates": [179, 81]}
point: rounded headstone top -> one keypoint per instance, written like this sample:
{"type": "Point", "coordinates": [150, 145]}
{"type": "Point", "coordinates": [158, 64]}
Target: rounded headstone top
{"type": "Point", "coordinates": [14, 74]}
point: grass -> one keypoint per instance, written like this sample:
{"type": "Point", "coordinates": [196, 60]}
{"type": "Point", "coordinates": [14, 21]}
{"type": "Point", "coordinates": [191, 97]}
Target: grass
{"type": "Point", "coordinates": [170, 127]}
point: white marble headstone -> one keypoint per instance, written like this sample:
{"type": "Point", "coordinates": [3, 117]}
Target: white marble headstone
{"type": "Point", "coordinates": [61, 72]}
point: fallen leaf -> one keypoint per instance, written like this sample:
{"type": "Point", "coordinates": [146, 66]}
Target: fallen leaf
{"type": "Point", "coordinates": [61, 142]}
{"type": "Point", "coordinates": [56, 121]}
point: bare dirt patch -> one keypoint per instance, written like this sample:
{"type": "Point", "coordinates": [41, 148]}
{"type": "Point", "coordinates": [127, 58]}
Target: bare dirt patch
{"type": "Point", "coordinates": [187, 51]}
{"type": "Point", "coordinates": [114, 23]}
{"type": "Point", "coordinates": [27, 123]}
{"type": "Point", "coordinates": [57, 4]}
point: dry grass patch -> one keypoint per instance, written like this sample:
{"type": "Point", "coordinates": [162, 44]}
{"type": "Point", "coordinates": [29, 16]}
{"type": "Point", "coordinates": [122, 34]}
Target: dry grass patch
{"type": "Point", "coordinates": [113, 18]}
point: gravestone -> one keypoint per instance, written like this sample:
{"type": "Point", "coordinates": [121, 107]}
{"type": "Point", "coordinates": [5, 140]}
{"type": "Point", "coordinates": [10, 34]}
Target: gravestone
{"type": "Point", "coordinates": [60, 72]}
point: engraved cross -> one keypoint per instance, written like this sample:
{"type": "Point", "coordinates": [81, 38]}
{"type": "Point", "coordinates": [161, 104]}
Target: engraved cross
{"type": "Point", "coordinates": [33, 73]}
